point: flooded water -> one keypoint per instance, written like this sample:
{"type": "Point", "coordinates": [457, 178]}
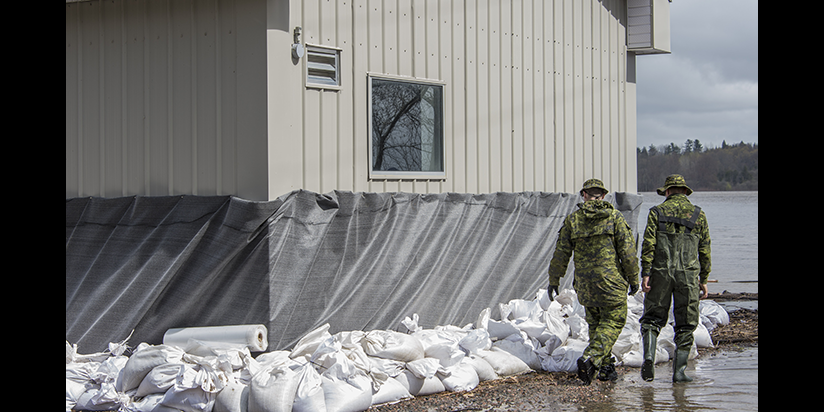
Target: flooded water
{"type": "Point", "coordinates": [733, 221]}
{"type": "Point", "coordinates": [723, 381]}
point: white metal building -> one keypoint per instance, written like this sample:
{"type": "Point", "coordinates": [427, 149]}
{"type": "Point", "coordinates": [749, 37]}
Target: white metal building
{"type": "Point", "coordinates": [256, 98]}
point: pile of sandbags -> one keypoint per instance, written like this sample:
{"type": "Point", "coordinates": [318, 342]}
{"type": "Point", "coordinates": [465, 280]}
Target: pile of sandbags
{"type": "Point", "coordinates": [352, 370]}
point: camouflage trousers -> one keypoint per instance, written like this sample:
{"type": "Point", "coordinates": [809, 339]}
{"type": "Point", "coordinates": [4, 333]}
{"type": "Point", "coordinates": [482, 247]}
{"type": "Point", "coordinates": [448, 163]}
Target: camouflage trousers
{"type": "Point", "coordinates": [605, 324]}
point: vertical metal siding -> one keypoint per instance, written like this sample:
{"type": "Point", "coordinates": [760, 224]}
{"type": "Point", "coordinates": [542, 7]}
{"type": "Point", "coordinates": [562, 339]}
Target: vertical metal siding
{"type": "Point", "coordinates": [201, 96]}
{"type": "Point", "coordinates": [152, 96]}
{"type": "Point", "coordinates": [535, 95]}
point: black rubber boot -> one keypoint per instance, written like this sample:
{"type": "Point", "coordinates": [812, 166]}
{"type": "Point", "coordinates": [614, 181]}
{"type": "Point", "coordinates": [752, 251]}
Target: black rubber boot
{"type": "Point", "coordinates": [650, 341]}
{"type": "Point", "coordinates": [680, 366]}
{"type": "Point", "coordinates": [607, 373]}
{"type": "Point", "coordinates": [586, 370]}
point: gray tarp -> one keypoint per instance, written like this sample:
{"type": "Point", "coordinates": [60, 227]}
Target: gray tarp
{"type": "Point", "coordinates": [358, 261]}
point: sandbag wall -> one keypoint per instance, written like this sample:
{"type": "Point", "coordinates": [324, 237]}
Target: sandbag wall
{"type": "Point", "coordinates": [355, 261]}
{"type": "Point", "coordinates": [352, 370]}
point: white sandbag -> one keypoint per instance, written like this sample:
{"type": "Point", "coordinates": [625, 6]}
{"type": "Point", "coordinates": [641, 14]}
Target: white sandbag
{"type": "Point", "coordinates": [635, 304]}
{"type": "Point", "coordinates": [234, 397]}
{"type": "Point", "coordinates": [542, 297]}
{"type": "Point", "coordinates": [188, 399]}
{"type": "Point", "coordinates": [534, 327]}
{"type": "Point", "coordinates": [149, 403]}
{"type": "Point", "coordinates": [423, 368]}
{"type": "Point", "coordinates": [523, 347]}
{"type": "Point", "coordinates": [702, 336]}
{"type": "Point", "coordinates": [556, 328]}
{"type": "Point", "coordinates": [475, 340]}
{"type": "Point", "coordinates": [504, 310]}
{"type": "Point", "coordinates": [482, 368]}
{"type": "Point", "coordinates": [100, 387]}
{"type": "Point", "coordinates": [500, 329]}
{"type": "Point", "coordinates": [73, 392]}
{"type": "Point", "coordinates": [578, 327]}
{"type": "Point", "coordinates": [143, 360]}
{"type": "Point", "coordinates": [714, 313]}
{"type": "Point", "coordinates": [666, 340]}
{"type": "Point", "coordinates": [564, 358]}
{"type": "Point", "coordinates": [419, 377]}
{"type": "Point", "coordinates": [417, 385]}
{"type": "Point", "coordinates": [442, 344]}
{"type": "Point", "coordinates": [458, 378]}
{"type": "Point", "coordinates": [307, 345]}
{"type": "Point", "coordinates": [78, 376]}
{"type": "Point", "coordinates": [504, 363]}
{"type": "Point", "coordinates": [440, 336]}
{"type": "Point", "coordinates": [273, 390]}
{"type": "Point", "coordinates": [352, 350]}
{"type": "Point", "coordinates": [390, 391]}
{"type": "Point", "coordinates": [159, 379]}
{"type": "Point", "coordinates": [522, 309]}
{"type": "Point", "coordinates": [483, 319]}
{"type": "Point", "coordinates": [100, 397]}
{"type": "Point", "coordinates": [392, 345]}
{"type": "Point", "coordinates": [446, 354]}
{"type": "Point", "coordinates": [195, 388]}
{"type": "Point", "coordinates": [254, 337]}
{"type": "Point", "coordinates": [267, 360]}
{"type": "Point", "coordinates": [309, 396]}
{"type": "Point", "coordinates": [633, 358]}
{"type": "Point", "coordinates": [568, 303]}
{"type": "Point", "coordinates": [411, 324]}
{"type": "Point", "coordinates": [347, 394]}
{"type": "Point", "coordinates": [628, 340]}
{"type": "Point", "coordinates": [389, 367]}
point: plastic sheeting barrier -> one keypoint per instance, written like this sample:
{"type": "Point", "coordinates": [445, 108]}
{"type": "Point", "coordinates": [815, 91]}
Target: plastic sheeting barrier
{"type": "Point", "coordinates": [357, 261]}
{"type": "Point", "coordinates": [327, 372]}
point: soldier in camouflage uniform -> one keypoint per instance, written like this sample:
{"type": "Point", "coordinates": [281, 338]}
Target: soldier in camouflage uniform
{"type": "Point", "coordinates": [675, 264]}
{"type": "Point", "coordinates": [605, 265]}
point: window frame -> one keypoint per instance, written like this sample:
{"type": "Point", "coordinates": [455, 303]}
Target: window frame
{"type": "Point", "coordinates": [407, 175]}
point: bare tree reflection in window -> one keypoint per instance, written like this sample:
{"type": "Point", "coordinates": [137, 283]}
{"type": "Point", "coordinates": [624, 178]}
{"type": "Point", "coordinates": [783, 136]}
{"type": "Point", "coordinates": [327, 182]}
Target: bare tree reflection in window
{"type": "Point", "coordinates": [406, 126]}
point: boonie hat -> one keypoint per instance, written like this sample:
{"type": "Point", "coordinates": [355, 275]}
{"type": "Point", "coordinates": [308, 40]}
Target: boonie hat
{"type": "Point", "coordinates": [593, 184]}
{"type": "Point", "coordinates": [674, 181]}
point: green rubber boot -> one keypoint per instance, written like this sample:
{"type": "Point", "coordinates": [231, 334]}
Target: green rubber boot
{"type": "Point", "coordinates": [650, 341]}
{"type": "Point", "coordinates": [680, 366]}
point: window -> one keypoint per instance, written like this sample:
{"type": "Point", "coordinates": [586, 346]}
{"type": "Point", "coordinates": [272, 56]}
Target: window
{"type": "Point", "coordinates": [322, 67]}
{"type": "Point", "coordinates": [406, 126]}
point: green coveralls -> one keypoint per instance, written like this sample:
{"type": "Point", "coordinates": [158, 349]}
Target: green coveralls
{"type": "Point", "coordinates": [605, 265]}
{"type": "Point", "coordinates": [676, 255]}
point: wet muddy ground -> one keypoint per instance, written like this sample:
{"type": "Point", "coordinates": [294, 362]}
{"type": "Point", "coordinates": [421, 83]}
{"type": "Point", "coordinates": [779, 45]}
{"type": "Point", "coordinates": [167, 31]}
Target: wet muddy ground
{"type": "Point", "coordinates": [735, 356]}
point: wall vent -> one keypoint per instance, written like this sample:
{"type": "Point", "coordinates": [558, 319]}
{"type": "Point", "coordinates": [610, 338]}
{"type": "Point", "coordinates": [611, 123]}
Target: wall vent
{"type": "Point", "coordinates": [322, 67]}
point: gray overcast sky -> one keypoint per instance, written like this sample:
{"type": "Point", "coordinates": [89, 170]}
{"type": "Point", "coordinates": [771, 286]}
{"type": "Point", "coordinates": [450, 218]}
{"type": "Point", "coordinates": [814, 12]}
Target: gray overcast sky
{"type": "Point", "coordinates": [707, 88]}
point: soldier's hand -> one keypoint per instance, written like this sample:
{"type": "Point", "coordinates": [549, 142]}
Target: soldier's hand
{"type": "Point", "coordinates": [552, 288]}
{"type": "Point", "coordinates": [632, 289]}
{"type": "Point", "coordinates": [704, 291]}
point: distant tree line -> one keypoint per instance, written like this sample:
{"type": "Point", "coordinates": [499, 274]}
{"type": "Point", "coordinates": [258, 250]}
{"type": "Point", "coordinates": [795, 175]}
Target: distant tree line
{"type": "Point", "coordinates": [729, 167]}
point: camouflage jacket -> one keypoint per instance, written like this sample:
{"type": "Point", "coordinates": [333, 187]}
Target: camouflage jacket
{"type": "Point", "coordinates": [677, 205]}
{"type": "Point", "coordinates": [605, 254]}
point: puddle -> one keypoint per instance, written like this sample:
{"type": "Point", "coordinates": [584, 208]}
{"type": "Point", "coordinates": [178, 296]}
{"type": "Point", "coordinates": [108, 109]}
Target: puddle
{"type": "Point", "coordinates": [724, 381]}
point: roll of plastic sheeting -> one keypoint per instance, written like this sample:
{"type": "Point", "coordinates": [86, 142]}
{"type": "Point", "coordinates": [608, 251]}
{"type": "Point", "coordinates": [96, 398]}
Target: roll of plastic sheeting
{"type": "Point", "coordinates": [255, 337]}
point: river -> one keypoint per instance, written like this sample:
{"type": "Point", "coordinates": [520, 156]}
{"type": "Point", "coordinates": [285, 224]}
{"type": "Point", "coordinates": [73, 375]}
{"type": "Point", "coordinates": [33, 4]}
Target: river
{"type": "Point", "coordinates": [733, 221]}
